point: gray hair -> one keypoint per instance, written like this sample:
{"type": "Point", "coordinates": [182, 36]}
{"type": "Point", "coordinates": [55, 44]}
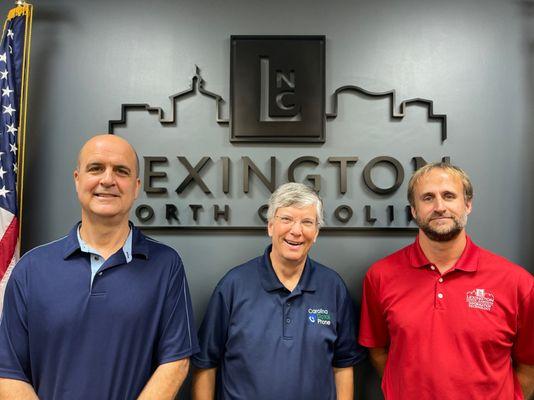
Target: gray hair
{"type": "Point", "coordinates": [297, 195]}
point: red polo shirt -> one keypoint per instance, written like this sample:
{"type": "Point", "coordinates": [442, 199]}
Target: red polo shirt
{"type": "Point", "coordinates": [450, 336]}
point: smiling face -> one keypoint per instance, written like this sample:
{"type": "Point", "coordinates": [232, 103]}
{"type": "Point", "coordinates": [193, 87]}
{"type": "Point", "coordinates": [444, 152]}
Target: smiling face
{"type": "Point", "coordinates": [440, 208]}
{"type": "Point", "coordinates": [293, 231]}
{"type": "Point", "coordinates": [106, 179]}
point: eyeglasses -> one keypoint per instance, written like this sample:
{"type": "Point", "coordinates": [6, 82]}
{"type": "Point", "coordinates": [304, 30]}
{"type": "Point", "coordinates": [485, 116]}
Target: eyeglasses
{"type": "Point", "coordinates": [290, 221]}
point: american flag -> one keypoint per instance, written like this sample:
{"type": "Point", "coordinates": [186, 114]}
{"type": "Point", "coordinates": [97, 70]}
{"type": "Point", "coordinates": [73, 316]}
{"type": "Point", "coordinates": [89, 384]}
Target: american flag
{"type": "Point", "coordinates": [13, 74]}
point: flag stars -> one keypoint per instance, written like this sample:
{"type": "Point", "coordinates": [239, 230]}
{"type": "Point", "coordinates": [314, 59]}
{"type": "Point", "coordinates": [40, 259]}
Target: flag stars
{"type": "Point", "coordinates": [4, 74]}
{"type": "Point", "coordinates": [3, 58]}
{"type": "Point", "coordinates": [10, 34]}
{"type": "Point", "coordinates": [4, 191]}
{"type": "Point", "coordinates": [8, 110]}
{"type": "Point", "coordinates": [11, 128]}
{"type": "Point", "coordinates": [7, 91]}
{"type": "Point", "coordinates": [2, 172]}
{"type": "Point", "coordinates": [13, 148]}
{"type": "Point", "coordinates": [15, 168]}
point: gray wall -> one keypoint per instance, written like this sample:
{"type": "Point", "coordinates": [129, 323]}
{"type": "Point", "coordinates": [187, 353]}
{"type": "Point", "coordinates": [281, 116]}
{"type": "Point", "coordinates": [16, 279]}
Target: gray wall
{"type": "Point", "coordinates": [473, 58]}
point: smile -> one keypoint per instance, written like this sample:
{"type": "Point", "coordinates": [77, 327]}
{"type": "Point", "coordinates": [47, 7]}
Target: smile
{"type": "Point", "coordinates": [292, 243]}
{"type": "Point", "coordinates": [106, 195]}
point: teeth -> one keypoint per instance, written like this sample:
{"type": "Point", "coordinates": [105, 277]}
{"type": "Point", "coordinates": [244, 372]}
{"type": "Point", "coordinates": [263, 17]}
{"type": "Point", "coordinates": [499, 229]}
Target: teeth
{"type": "Point", "coordinates": [293, 243]}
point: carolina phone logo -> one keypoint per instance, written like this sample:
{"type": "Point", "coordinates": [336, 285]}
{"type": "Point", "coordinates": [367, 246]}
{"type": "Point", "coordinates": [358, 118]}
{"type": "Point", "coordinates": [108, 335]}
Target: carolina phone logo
{"type": "Point", "coordinates": [319, 316]}
{"type": "Point", "coordinates": [277, 104]}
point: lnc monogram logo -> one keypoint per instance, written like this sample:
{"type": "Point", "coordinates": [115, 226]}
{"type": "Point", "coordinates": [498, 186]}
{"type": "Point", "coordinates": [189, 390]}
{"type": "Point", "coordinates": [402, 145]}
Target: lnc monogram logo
{"type": "Point", "coordinates": [278, 89]}
{"type": "Point", "coordinates": [281, 101]}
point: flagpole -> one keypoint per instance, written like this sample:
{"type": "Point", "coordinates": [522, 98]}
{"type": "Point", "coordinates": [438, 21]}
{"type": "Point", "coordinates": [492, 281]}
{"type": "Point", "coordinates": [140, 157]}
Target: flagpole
{"type": "Point", "coordinates": [23, 109]}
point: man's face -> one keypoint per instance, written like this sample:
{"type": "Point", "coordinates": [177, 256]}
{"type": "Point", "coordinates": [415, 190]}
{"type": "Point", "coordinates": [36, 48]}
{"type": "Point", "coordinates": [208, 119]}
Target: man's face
{"type": "Point", "coordinates": [440, 207]}
{"type": "Point", "coordinates": [293, 231]}
{"type": "Point", "coordinates": [106, 178]}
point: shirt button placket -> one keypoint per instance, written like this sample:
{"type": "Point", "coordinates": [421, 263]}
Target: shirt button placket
{"type": "Point", "coordinates": [287, 320]}
{"type": "Point", "coordinates": [440, 296]}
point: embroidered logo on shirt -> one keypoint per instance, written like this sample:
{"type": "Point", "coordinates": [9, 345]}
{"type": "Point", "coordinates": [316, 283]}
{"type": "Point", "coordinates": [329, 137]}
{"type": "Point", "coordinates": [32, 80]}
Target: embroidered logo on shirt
{"type": "Point", "coordinates": [480, 299]}
{"type": "Point", "coordinates": [319, 316]}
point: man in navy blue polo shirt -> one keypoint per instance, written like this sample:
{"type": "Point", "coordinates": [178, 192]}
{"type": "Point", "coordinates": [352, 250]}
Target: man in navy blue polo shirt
{"type": "Point", "coordinates": [280, 326]}
{"type": "Point", "coordinates": [103, 313]}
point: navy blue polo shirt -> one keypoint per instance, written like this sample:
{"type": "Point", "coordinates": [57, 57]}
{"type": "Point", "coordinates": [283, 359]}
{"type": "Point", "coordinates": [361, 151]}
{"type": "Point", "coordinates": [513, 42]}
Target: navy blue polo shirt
{"type": "Point", "coordinates": [269, 343]}
{"type": "Point", "coordinates": [73, 340]}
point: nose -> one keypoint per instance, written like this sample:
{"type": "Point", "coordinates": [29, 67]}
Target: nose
{"type": "Point", "coordinates": [296, 228]}
{"type": "Point", "coordinates": [108, 178]}
{"type": "Point", "coordinates": [439, 205]}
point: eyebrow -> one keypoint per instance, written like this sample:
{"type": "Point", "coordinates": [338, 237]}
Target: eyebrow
{"type": "Point", "coordinates": [115, 167]}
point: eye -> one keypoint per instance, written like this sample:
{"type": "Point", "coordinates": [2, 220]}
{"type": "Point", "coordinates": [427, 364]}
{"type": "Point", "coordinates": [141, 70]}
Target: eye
{"type": "Point", "coordinates": [308, 223]}
{"type": "Point", "coordinates": [94, 168]}
{"type": "Point", "coordinates": [123, 172]}
{"type": "Point", "coordinates": [450, 196]}
{"type": "Point", "coordinates": [286, 220]}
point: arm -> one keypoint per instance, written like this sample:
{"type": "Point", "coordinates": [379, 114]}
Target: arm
{"type": "Point", "coordinates": [378, 356]}
{"type": "Point", "coordinates": [165, 381]}
{"type": "Point", "coordinates": [13, 389]}
{"type": "Point", "coordinates": [525, 376]}
{"type": "Point", "coordinates": [15, 356]}
{"type": "Point", "coordinates": [204, 384]}
{"type": "Point", "coordinates": [344, 378]}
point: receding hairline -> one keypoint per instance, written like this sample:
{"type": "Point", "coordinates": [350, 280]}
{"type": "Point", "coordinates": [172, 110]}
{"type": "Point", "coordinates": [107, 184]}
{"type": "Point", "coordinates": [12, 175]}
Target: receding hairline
{"type": "Point", "coordinates": [106, 136]}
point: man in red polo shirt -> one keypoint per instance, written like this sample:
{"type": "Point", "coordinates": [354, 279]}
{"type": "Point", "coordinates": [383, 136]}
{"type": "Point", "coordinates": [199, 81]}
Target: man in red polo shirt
{"type": "Point", "coordinates": [443, 318]}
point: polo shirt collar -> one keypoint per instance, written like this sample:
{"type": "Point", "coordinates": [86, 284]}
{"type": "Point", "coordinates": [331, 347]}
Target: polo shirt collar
{"type": "Point", "coordinates": [139, 243]}
{"type": "Point", "coordinates": [468, 261]}
{"type": "Point", "coordinates": [270, 281]}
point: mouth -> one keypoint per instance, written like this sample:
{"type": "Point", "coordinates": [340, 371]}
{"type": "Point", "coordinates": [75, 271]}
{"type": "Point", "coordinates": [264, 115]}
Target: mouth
{"type": "Point", "coordinates": [292, 243]}
{"type": "Point", "coordinates": [440, 218]}
{"type": "Point", "coordinates": [105, 195]}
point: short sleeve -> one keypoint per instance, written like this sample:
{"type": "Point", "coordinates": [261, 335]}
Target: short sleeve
{"type": "Point", "coordinates": [347, 352]}
{"type": "Point", "coordinates": [523, 350]}
{"type": "Point", "coordinates": [373, 328]}
{"type": "Point", "coordinates": [213, 332]}
{"type": "Point", "coordinates": [178, 337]}
{"type": "Point", "coordinates": [14, 340]}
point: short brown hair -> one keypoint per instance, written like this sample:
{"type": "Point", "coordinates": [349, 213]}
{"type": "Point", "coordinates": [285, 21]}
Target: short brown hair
{"type": "Point", "coordinates": [449, 168]}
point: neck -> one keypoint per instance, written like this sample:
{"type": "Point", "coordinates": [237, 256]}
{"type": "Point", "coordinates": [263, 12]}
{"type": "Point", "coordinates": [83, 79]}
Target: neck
{"type": "Point", "coordinates": [288, 273]}
{"type": "Point", "coordinates": [103, 236]}
{"type": "Point", "coordinates": [443, 254]}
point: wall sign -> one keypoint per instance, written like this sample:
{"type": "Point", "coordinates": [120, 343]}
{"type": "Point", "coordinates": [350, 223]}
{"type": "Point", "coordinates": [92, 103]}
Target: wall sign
{"type": "Point", "coordinates": [277, 96]}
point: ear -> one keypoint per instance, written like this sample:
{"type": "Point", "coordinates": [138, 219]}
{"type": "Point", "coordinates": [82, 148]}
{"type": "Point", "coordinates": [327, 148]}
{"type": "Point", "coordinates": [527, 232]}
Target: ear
{"type": "Point", "coordinates": [316, 235]}
{"type": "Point", "coordinates": [270, 228]}
{"type": "Point", "coordinates": [468, 206]}
{"type": "Point", "coordinates": [137, 187]}
{"type": "Point", "coordinates": [414, 213]}
{"type": "Point", "coordinates": [76, 176]}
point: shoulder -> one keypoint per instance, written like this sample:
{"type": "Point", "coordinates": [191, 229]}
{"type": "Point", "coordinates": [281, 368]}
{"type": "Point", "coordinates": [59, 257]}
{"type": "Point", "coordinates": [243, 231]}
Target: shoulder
{"type": "Point", "coordinates": [326, 274]}
{"type": "Point", "coordinates": [157, 250]}
{"type": "Point", "coordinates": [389, 264]}
{"type": "Point", "coordinates": [505, 269]}
{"type": "Point", "coordinates": [46, 254]}
{"type": "Point", "coordinates": [242, 274]}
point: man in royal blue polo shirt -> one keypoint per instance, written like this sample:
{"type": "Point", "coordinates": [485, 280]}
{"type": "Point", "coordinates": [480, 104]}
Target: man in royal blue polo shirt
{"type": "Point", "coordinates": [280, 326]}
{"type": "Point", "coordinates": [103, 313]}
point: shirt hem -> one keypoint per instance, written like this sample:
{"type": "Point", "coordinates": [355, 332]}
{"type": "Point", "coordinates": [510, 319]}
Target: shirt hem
{"type": "Point", "coordinates": [13, 375]}
{"type": "Point", "coordinates": [179, 356]}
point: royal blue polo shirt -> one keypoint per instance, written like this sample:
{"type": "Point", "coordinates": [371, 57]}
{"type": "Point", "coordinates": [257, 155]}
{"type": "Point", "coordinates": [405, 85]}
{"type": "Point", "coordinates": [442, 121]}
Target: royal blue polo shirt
{"type": "Point", "coordinates": [73, 340]}
{"type": "Point", "coordinates": [269, 343]}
